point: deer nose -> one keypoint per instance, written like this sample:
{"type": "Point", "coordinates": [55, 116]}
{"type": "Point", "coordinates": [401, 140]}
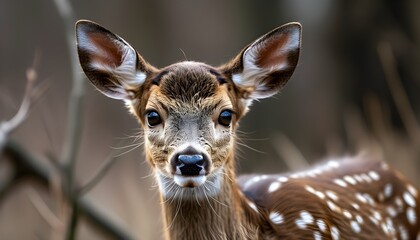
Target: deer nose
{"type": "Point", "coordinates": [191, 159]}
{"type": "Point", "coordinates": [190, 163]}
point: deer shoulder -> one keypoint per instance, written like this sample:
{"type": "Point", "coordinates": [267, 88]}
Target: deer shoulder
{"type": "Point", "coordinates": [353, 198]}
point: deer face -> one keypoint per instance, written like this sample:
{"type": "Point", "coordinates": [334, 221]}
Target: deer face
{"type": "Point", "coordinates": [189, 111]}
{"type": "Point", "coordinates": [189, 118]}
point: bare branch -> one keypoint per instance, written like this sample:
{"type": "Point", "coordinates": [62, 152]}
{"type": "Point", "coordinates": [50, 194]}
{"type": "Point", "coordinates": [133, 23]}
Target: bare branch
{"type": "Point", "coordinates": [44, 210]}
{"type": "Point", "coordinates": [29, 96]}
{"type": "Point", "coordinates": [98, 175]}
{"type": "Point", "coordinates": [26, 165]}
{"type": "Point", "coordinates": [74, 124]}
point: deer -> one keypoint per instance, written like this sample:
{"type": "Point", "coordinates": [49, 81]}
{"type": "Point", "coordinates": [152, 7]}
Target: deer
{"type": "Point", "coordinates": [189, 112]}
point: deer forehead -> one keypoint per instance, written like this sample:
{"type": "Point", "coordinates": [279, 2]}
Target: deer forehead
{"type": "Point", "coordinates": [188, 81]}
{"type": "Point", "coordinates": [189, 88]}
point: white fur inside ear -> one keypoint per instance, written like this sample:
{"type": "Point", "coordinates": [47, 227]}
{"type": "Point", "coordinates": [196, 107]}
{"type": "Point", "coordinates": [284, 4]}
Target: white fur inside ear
{"type": "Point", "coordinates": [252, 73]}
{"type": "Point", "coordinates": [127, 71]}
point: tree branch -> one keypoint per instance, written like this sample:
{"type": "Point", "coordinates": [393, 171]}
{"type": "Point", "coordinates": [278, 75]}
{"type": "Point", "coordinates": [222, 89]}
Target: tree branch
{"type": "Point", "coordinates": [7, 127]}
{"type": "Point", "coordinates": [74, 124]}
{"type": "Point", "coordinates": [26, 165]}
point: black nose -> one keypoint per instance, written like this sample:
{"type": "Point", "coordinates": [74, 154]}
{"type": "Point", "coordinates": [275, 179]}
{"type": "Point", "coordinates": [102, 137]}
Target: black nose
{"type": "Point", "coordinates": [189, 162]}
{"type": "Point", "coordinates": [191, 159]}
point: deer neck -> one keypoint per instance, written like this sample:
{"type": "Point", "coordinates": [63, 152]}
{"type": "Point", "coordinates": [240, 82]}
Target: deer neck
{"type": "Point", "coordinates": [218, 216]}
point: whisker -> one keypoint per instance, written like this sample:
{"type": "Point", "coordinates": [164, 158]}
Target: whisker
{"type": "Point", "coordinates": [123, 153]}
{"type": "Point", "coordinates": [208, 201]}
{"type": "Point", "coordinates": [251, 148]}
{"type": "Point", "coordinates": [127, 146]}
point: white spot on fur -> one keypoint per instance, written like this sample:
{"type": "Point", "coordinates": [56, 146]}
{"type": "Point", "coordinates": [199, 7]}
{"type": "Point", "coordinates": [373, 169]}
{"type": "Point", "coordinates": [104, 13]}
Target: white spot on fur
{"type": "Point", "coordinates": [276, 218]}
{"type": "Point", "coordinates": [411, 215]}
{"type": "Point", "coordinates": [385, 229]}
{"type": "Point", "coordinates": [360, 198]}
{"type": "Point", "coordinates": [374, 175]}
{"type": "Point", "coordinates": [369, 199]}
{"type": "Point", "coordinates": [332, 206]}
{"type": "Point", "coordinates": [300, 224]}
{"type": "Point", "coordinates": [355, 226]}
{"type": "Point", "coordinates": [350, 180]}
{"type": "Point", "coordinates": [412, 190]}
{"type": "Point", "coordinates": [331, 195]}
{"type": "Point", "coordinates": [274, 187]}
{"type": "Point", "coordinates": [282, 179]}
{"type": "Point", "coordinates": [390, 226]}
{"type": "Point", "coordinates": [310, 189]}
{"type": "Point", "coordinates": [306, 217]}
{"type": "Point", "coordinates": [355, 206]}
{"type": "Point", "coordinates": [320, 194]}
{"type": "Point", "coordinates": [340, 182]}
{"type": "Point", "coordinates": [335, 234]}
{"type": "Point", "coordinates": [388, 190]}
{"type": "Point", "coordinates": [403, 232]}
{"type": "Point", "coordinates": [359, 219]}
{"type": "Point", "coordinates": [347, 214]}
{"type": "Point", "coordinates": [321, 225]}
{"type": "Point", "coordinates": [377, 215]}
{"type": "Point", "coordinates": [317, 235]}
{"type": "Point", "coordinates": [391, 211]}
{"type": "Point", "coordinates": [374, 220]}
{"type": "Point", "coordinates": [366, 177]}
{"type": "Point", "coordinates": [358, 178]}
{"type": "Point", "coordinates": [409, 199]}
{"type": "Point", "coordinates": [315, 192]}
{"type": "Point", "coordinates": [333, 164]}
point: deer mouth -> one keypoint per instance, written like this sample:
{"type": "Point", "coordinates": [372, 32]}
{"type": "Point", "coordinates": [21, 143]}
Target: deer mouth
{"type": "Point", "coordinates": [194, 187]}
{"type": "Point", "coordinates": [189, 181]}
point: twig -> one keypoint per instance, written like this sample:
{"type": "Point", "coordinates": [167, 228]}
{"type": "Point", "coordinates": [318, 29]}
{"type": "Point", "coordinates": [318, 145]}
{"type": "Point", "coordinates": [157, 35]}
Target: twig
{"type": "Point", "coordinates": [44, 210]}
{"type": "Point", "coordinates": [398, 93]}
{"type": "Point", "coordinates": [98, 175]}
{"type": "Point", "coordinates": [7, 127]}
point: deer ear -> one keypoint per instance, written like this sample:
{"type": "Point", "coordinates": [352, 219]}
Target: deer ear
{"type": "Point", "coordinates": [110, 63]}
{"type": "Point", "coordinates": [265, 66]}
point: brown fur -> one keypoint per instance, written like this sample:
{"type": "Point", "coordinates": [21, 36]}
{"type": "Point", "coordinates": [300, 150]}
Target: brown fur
{"type": "Point", "coordinates": [189, 98]}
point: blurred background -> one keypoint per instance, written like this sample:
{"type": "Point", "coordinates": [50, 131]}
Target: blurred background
{"type": "Point", "coordinates": [355, 90]}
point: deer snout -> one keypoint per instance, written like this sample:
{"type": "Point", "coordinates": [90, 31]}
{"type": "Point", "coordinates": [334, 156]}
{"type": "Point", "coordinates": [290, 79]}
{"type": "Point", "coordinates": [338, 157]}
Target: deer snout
{"type": "Point", "coordinates": [190, 167]}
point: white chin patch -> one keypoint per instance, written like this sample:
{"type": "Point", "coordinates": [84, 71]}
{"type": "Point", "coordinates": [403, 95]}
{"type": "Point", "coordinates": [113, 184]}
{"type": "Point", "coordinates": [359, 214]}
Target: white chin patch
{"type": "Point", "coordinates": [193, 188]}
{"type": "Point", "coordinates": [191, 182]}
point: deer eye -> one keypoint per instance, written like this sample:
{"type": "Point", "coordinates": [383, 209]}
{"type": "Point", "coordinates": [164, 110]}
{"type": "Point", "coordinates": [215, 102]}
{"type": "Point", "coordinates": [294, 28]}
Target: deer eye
{"type": "Point", "coordinates": [225, 118]}
{"type": "Point", "coordinates": [153, 118]}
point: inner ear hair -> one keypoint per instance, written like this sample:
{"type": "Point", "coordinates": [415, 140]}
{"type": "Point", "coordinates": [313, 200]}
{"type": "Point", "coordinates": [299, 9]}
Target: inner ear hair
{"type": "Point", "coordinates": [110, 63]}
{"type": "Point", "coordinates": [267, 64]}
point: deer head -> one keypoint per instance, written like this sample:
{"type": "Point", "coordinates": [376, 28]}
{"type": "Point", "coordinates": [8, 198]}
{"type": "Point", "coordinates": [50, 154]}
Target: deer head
{"type": "Point", "coordinates": [189, 110]}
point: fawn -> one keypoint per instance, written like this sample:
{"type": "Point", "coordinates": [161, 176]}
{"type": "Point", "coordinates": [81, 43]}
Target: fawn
{"type": "Point", "coordinates": [189, 112]}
